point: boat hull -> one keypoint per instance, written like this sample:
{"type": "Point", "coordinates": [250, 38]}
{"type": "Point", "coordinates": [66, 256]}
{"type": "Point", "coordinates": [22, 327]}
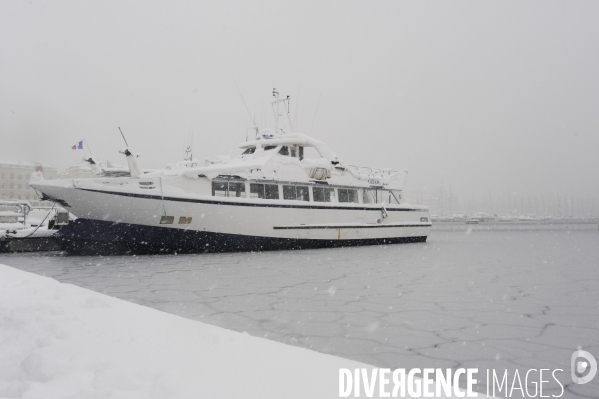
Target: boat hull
{"type": "Point", "coordinates": [115, 217]}
{"type": "Point", "coordinates": [96, 237]}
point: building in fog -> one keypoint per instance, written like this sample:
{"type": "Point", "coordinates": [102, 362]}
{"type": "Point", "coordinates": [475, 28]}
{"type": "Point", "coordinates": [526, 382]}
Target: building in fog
{"type": "Point", "coordinates": [81, 171]}
{"type": "Point", "coordinates": [14, 179]}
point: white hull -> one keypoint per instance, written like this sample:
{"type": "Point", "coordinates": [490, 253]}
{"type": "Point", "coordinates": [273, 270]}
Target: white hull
{"type": "Point", "coordinates": [267, 219]}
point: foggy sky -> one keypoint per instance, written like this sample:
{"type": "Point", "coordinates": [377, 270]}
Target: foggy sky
{"type": "Point", "coordinates": [485, 96]}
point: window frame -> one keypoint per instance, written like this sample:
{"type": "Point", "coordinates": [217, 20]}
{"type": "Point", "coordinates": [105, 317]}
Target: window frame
{"type": "Point", "coordinates": [296, 192]}
{"type": "Point", "coordinates": [380, 195]}
{"type": "Point", "coordinates": [237, 182]}
{"type": "Point", "coordinates": [366, 194]}
{"type": "Point", "coordinates": [396, 195]}
{"type": "Point", "coordinates": [346, 191]}
{"type": "Point", "coordinates": [274, 191]}
{"type": "Point", "coordinates": [259, 191]}
{"type": "Point", "coordinates": [324, 196]}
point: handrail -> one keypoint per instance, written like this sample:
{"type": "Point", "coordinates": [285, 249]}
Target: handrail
{"type": "Point", "coordinates": [371, 172]}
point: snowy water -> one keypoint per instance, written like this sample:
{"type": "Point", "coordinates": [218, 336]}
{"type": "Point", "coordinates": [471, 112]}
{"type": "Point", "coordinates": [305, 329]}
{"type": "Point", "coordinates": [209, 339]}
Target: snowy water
{"type": "Point", "coordinates": [492, 298]}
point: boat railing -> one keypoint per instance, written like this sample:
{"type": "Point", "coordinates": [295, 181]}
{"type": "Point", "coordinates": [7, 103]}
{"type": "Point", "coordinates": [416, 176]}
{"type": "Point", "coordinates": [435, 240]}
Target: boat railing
{"type": "Point", "coordinates": [366, 171]}
{"type": "Point", "coordinates": [13, 211]}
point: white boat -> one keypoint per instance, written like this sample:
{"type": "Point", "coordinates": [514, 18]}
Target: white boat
{"type": "Point", "coordinates": [13, 219]}
{"type": "Point", "coordinates": [25, 228]}
{"type": "Point", "coordinates": [527, 218]}
{"type": "Point", "coordinates": [268, 197]}
{"type": "Point", "coordinates": [485, 217]}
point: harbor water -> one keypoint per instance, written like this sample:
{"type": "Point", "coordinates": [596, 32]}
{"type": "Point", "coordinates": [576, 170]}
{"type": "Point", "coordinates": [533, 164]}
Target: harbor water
{"type": "Point", "coordinates": [491, 296]}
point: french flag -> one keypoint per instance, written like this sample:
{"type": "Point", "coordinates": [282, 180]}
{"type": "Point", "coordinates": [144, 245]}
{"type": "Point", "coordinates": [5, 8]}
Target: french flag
{"type": "Point", "coordinates": [78, 146]}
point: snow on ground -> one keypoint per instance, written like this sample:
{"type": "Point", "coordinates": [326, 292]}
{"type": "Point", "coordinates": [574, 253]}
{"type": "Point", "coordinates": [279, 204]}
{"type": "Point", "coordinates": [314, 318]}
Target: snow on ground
{"type": "Point", "coordinates": [62, 341]}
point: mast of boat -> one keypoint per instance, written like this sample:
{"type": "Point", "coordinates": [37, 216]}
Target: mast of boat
{"type": "Point", "coordinates": [188, 157]}
{"type": "Point", "coordinates": [134, 169]}
{"type": "Point", "coordinates": [255, 127]}
{"type": "Point", "coordinates": [277, 101]}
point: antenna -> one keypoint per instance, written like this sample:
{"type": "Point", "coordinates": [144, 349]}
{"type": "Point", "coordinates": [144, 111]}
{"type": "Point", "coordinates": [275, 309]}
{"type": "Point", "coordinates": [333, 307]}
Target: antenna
{"type": "Point", "coordinates": [189, 145]}
{"type": "Point", "coordinates": [275, 94]}
{"type": "Point", "coordinates": [247, 109]}
{"type": "Point", "coordinates": [315, 112]}
{"type": "Point", "coordinates": [123, 137]}
{"type": "Point", "coordinates": [296, 106]}
{"type": "Point", "coordinates": [248, 128]}
{"type": "Point", "coordinates": [288, 106]}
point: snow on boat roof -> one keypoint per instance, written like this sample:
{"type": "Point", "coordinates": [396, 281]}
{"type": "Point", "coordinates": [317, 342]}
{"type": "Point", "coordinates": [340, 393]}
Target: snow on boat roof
{"type": "Point", "coordinates": [295, 138]}
{"type": "Point", "coordinates": [267, 164]}
{"type": "Point", "coordinates": [270, 167]}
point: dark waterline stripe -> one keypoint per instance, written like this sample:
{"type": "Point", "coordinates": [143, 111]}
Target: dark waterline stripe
{"type": "Point", "coordinates": [350, 227]}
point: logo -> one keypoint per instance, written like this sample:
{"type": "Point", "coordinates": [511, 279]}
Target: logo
{"type": "Point", "coordinates": [583, 367]}
{"type": "Point", "coordinates": [417, 382]}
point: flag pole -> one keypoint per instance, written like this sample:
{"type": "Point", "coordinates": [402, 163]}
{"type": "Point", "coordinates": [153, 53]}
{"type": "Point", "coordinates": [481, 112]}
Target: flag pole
{"type": "Point", "coordinates": [88, 147]}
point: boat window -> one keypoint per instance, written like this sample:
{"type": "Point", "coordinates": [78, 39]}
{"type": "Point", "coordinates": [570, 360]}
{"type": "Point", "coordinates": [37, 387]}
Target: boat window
{"type": "Point", "coordinates": [293, 152]}
{"type": "Point", "coordinates": [347, 195]}
{"type": "Point", "coordinates": [301, 153]}
{"type": "Point", "coordinates": [378, 196]}
{"type": "Point", "coordinates": [219, 189]}
{"type": "Point", "coordinates": [264, 191]}
{"type": "Point", "coordinates": [303, 193]}
{"type": "Point", "coordinates": [375, 196]}
{"type": "Point", "coordinates": [228, 189]}
{"type": "Point", "coordinates": [394, 196]}
{"type": "Point", "coordinates": [271, 191]}
{"type": "Point", "coordinates": [185, 220]}
{"type": "Point", "coordinates": [323, 194]}
{"type": "Point", "coordinates": [270, 147]}
{"type": "Point", "coordinates": [386, 197]}
{"type": "Point", "coordinates": [284, 150]}
{"type": "Point", "coordinates": [167, 219]}
{"type": "Point", "coordinates": [237, 189]}
{"type": "Point", "coordinates": [250, 150]}
{"type": "Point", "coordinates": [299, 193]}
{"type": "Point", "coordinates": [369, 196]}
{"type": "Point", "coordinates": [289, 192]}
{"type": "Point", "coordinates": [256, 190]}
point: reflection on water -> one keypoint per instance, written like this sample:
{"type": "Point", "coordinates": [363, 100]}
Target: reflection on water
{"type": "Point", "coordinates": [502, 299]}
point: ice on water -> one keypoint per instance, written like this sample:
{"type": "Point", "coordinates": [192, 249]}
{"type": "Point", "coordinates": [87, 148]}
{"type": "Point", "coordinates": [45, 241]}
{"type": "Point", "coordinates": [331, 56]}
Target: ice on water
{"type": "Point", "coordinates": [501, 299]}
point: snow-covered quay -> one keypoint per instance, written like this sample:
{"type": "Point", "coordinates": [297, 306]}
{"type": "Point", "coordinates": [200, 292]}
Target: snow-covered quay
{"type": "Point", "coordinates": [62, 341]}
